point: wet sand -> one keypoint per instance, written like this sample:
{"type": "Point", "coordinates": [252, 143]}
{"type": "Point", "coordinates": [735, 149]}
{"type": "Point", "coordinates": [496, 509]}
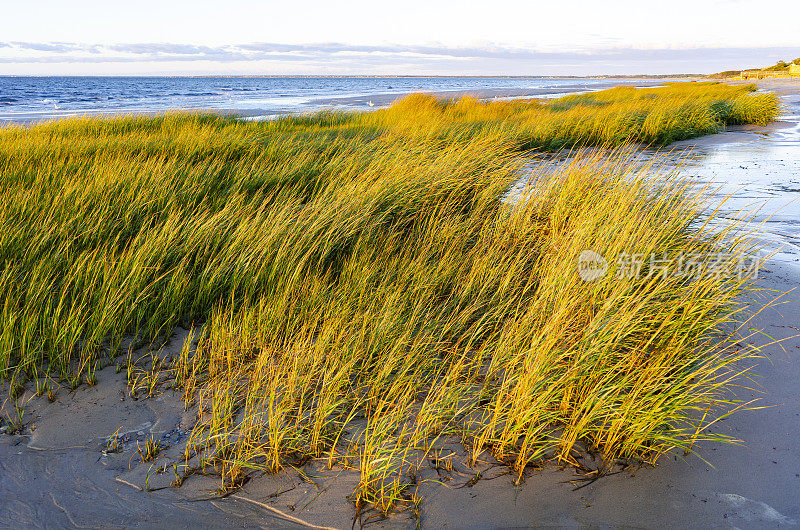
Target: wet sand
{"type": "Point", "coordinates": [33, 119]}
{"type": "Point", "coordinates": [758, 170]}
{"type": "Point", "coordinates": [58, 473]}
{"type": "Point", "coordinates": [384, 100]}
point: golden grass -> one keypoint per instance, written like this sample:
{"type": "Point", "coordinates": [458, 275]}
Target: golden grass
{"type": "Point", "coordinates": [652, 116]}
{"type": "Point", "coordinates": [360, 288]}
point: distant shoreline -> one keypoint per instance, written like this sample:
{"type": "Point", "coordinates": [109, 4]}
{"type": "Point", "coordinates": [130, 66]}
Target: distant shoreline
{"type": "Point", "coordinates": [318, 93]}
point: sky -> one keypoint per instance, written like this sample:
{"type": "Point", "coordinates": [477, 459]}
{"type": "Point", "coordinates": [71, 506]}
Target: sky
{"type": "Point", "coordinates": [490, 37]}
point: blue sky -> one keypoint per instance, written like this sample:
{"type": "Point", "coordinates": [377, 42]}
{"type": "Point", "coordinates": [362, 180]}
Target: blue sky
{"type": "Point", "coordinates": [413, 37]}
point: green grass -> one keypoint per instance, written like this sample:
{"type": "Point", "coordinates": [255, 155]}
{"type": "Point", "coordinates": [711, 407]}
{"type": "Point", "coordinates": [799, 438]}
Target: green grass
{"type": "Point", "coordinates": [361, 273]}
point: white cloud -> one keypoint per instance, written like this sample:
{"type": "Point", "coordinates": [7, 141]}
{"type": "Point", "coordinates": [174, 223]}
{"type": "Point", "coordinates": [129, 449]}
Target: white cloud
{"type": "Point", "coordinates": [416, 36]}
{"type": "Point", "coordinates": [350, 58]}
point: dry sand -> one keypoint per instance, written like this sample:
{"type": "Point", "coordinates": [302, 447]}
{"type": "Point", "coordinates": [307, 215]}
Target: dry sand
{"type": "Point", "coordinates": [57, 473]}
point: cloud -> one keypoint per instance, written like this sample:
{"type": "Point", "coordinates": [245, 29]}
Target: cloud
{"type": "Point", "coordinates": [45, 46]}
{"type": "Point", "coordinates": [490, 58]}
{"type": "Point", "coordinates": [163, 48]}
{"type": "Point", "coordinates": [52, 47]}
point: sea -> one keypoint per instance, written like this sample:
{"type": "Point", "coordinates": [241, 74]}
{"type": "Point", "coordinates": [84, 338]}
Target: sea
{"type": "Point", "coordinates": [29, 99]}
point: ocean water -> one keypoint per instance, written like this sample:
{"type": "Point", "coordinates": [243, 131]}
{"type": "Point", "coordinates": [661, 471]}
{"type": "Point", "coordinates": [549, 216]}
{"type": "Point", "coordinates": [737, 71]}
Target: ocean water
{"type": "Point", "coordinates": [39, 98]}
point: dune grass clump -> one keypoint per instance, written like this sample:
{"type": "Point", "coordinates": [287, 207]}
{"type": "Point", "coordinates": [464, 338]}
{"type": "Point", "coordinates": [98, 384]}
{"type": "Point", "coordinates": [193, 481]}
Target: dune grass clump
{"type": "Point", "coordinates": [650, 116]}
{"type": "Point", "coordinates": [478, 326]}
{"type": "Point", "coordinates": [361, 287]}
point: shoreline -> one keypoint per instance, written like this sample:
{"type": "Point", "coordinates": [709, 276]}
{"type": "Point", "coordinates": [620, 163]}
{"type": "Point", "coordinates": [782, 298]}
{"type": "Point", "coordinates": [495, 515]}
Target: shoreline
{"type": "Point", "coordinates": [348, 102]}
{"type": "Point", "coordinates": [385, 99]}
{"type": "Point", "coordinates": [751, 485]}
{"type": "Point", "coordinates": [755, 170]}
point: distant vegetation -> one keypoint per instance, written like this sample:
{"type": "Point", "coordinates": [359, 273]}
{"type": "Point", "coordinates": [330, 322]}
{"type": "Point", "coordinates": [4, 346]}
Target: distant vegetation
{"type": "Point", "coordinates": [362, 289]}
{"type": "Point", "coordinates": [780, 66]}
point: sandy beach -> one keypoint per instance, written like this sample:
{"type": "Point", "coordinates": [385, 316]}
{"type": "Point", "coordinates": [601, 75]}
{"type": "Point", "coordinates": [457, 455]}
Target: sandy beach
{"type": "Point", "coordinates": [59, 476]}
{"type": "Point", "coordinates": [61, 472]}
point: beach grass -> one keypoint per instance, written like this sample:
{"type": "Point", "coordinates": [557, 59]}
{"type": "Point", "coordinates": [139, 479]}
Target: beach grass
{"type": "Point", "coordinates": [361, 286]}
